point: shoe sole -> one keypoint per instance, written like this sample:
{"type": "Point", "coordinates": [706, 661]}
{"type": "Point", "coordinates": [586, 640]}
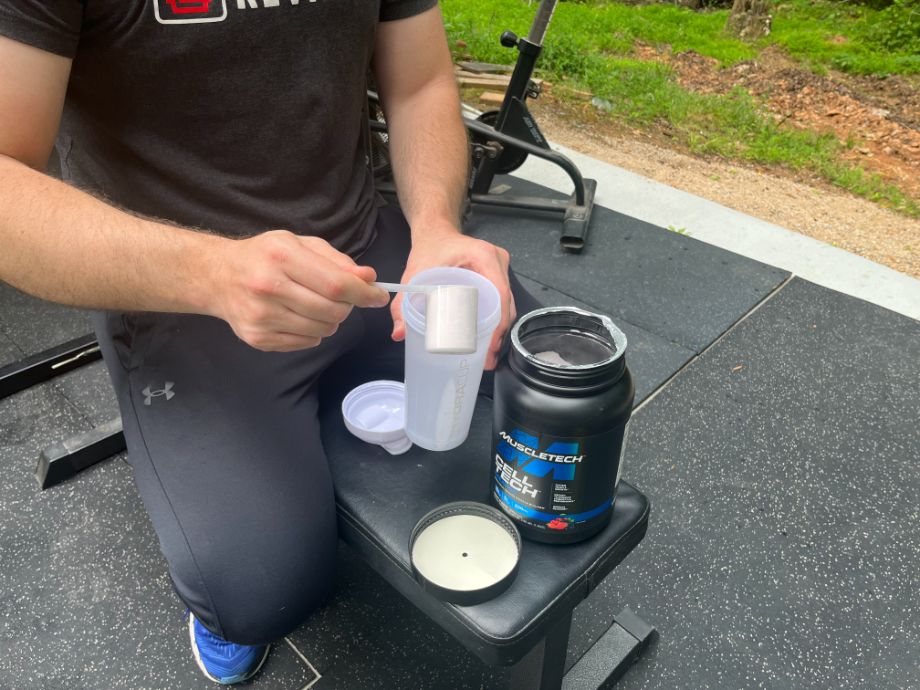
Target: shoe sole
{"type": "Point", "coordinates": [195, 653]}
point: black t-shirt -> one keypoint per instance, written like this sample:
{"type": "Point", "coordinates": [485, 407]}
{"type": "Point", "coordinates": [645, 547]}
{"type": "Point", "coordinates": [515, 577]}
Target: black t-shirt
{"type": "Point", "coordinates": [232, 115]}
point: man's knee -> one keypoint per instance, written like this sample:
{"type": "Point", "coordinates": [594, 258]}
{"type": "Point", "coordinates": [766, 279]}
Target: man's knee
{"type": "Point", "coordinates": [259, 593]}
{"type": "Point", "coordinates": [276, 606]}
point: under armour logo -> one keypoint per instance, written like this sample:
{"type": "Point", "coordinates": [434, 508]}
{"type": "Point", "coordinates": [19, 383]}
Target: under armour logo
{"type": "Point", "coordinates": [166, 390]}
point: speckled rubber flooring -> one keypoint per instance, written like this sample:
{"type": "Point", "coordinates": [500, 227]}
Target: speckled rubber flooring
{"type": "Point", "coordinates": [781, 462]}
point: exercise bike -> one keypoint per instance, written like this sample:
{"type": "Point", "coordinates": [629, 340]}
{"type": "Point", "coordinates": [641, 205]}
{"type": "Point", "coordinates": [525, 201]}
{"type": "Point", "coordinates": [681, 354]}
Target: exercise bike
{"type": "Point", "coordinates": [501, 140]}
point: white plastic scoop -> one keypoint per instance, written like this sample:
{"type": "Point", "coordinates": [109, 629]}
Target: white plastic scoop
{"type": "Point", "coordinates": [400, 287]}
{"type": "Point", "coordinates": [450, 315]}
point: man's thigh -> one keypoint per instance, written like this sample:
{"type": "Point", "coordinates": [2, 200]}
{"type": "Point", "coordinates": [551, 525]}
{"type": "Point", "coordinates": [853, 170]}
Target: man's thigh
{"type": "Point", "coordinates": [226, 452]}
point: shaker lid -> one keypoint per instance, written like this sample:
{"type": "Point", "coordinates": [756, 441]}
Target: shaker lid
{"type": "Point", "coordinates": [375, 412]}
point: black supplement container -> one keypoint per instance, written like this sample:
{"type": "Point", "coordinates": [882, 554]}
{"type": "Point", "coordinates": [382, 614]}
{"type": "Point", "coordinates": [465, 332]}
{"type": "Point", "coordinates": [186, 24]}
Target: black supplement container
{"type": "Point", "coordinates": [563, 397]}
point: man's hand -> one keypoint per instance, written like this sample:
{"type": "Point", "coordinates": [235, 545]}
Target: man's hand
{"type": "Point", "coordinates": [282, 292]}
{"type": "Point", "coordinates": [450, 248]}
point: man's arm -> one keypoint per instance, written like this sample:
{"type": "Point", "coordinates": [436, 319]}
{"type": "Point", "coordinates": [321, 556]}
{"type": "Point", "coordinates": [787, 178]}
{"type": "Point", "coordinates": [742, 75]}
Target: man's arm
{"type": "Point", "coordinates": [277, 291]}
{"type": "Point", "coordinates": [428, 141]}
{"type": "Point", "coordinates": [430, 156]}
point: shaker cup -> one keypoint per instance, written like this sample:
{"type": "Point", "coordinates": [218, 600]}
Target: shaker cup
{"type": "Point", "coordinates": [441, 389]}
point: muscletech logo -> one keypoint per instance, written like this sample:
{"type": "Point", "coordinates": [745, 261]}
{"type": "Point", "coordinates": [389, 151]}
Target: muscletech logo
{"type": "Point", "coordinates": [523, 449]}
{"type": "Point", "coordinates": [166, 391]}
{"type": "Point", "coordinates": [519, 459]}
{"type": "Point", "coordinates": [203, 11]}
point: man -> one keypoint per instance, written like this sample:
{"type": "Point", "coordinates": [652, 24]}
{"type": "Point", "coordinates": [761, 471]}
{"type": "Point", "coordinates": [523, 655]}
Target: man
{"type": "Point", "coordinates": [228, 118]}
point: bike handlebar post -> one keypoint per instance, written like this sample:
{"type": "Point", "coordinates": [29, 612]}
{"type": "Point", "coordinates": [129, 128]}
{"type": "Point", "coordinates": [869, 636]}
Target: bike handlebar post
{"type": "Point", "coordinates": [541, 21]}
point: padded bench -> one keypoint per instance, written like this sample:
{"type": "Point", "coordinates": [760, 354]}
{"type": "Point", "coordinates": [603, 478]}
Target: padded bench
{"type": "Point", "coordinates": [380, 497]}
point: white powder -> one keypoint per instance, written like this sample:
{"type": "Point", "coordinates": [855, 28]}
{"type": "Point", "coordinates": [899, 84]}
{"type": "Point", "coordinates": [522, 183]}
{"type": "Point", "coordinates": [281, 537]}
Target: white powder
{"type": "Point", "coordinates": [552, 357]}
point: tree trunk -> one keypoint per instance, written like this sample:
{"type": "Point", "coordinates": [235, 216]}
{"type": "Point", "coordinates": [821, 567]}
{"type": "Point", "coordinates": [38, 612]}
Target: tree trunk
{"type": "Point", "coordinates": [750, 19]}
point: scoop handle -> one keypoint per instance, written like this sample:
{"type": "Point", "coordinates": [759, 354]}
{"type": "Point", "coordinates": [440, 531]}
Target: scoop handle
{"type": "Point", "coordinates": [399, 287]}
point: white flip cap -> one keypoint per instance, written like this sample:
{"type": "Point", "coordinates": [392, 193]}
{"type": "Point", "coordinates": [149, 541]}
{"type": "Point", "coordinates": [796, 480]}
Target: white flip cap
{"type": "Point", "coordinates": [375, 412]}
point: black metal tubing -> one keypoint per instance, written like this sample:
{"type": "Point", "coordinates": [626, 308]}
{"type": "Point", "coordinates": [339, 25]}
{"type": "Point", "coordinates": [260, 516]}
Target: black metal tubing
{"type": "Point", "coordinates": [576, 212]}
{"type": "Point", "coordinates": [529, 203]}
{"type": "Point", "coordinates": [552, 156]}
{"type": "Point", "coordinates": [541, 21]}
{"type": "Point", "coordinates": [577, 219]}
{"type": "Point", "coordinates": [544, 666]}
{"type": "Point", "coordinates": [65, 459]}
{"type": "Point", "coordinates": [602, 665]}
{"type": "Point", "coordinates": [520, 78]}
{"type": "Point", "coordinates": [45, 365]}
{"type": "Point", "coordinates": [611, 655]}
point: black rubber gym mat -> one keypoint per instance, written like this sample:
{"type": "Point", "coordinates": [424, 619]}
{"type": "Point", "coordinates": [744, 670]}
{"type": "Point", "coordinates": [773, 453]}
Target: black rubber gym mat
{"type": "Point", "coordinates": [681, 289]}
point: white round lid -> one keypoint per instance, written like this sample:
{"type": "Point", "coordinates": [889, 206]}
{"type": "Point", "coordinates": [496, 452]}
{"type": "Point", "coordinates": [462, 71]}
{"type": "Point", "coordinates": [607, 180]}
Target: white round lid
{"type": "Point", "coordinates": [465, 552]}
{"type": "Point", "coordinates": [375, 412]}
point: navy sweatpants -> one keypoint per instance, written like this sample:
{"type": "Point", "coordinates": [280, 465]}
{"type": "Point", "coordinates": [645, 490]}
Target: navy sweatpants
{"type": "Point", "coordinates": [225, 446]}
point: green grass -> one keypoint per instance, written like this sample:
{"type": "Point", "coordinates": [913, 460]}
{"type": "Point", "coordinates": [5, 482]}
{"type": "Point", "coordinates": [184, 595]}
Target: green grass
{"type": "Point", "coordinates": [607, 29]}
{"type": "Point", "coordinates": [591, 45]}
{"type": "Point", "coordinates": [821, 33]}
{"type": "Point", "coordinates": [850, 37]}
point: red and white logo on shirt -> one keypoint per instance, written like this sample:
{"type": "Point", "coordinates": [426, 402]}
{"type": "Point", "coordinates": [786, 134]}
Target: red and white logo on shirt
{"type": "Point", "coordinates": [190, 11]}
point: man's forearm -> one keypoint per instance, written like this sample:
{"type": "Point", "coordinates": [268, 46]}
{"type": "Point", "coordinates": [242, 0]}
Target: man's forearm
{"type": "Point", "coordinates": [430, 155]}
{"type": "Point", "coordinates": [61, 244]}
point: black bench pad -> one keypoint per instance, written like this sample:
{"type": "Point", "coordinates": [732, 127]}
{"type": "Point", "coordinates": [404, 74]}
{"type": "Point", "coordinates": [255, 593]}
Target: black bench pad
{"type": "Point", "coordinates": [380, 497]}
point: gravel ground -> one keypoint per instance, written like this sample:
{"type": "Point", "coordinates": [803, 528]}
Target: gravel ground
{"type": "Point", "coordinates": [835, 217]}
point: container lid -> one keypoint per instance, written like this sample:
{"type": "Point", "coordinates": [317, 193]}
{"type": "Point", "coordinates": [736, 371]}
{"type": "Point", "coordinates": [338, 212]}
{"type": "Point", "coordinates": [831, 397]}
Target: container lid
{"type": "Point", "coordinates": [375, 412]}
{"type": "Point", "coordinates": [465, 552]}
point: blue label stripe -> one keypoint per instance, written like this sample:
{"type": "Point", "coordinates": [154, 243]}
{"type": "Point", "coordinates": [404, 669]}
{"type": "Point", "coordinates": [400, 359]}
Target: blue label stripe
{"type": "Point", "coordinates": [563, 448]}
{"type": "Point", "coordinates": [512, 455]}
{"type": "Point", "coordinates": [525, 438]}
{"type": "Point", "coordinates": [527, 511]}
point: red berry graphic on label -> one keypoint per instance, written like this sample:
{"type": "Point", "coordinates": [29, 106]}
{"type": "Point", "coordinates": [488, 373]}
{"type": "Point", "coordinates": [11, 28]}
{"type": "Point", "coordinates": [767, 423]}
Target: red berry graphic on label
{"type": "Point", "coordinates": [557, 524]}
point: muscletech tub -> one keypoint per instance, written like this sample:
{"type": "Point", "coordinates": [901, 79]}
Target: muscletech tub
{"type": "Point", "coordinates": [563, 398]}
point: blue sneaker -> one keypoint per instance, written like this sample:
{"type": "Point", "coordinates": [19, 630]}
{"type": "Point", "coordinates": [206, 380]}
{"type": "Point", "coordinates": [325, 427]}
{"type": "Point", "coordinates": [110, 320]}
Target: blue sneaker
{"type": "Point", "coordinates": [221, 661]}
